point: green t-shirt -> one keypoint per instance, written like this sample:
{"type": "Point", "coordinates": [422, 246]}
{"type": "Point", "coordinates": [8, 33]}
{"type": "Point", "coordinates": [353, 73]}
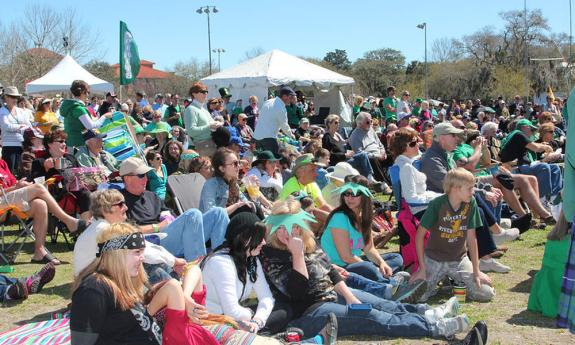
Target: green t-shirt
{"type": "Point", "coordinates": [340, 221]}
{"type": "Point", "coordinates": [294, 114]}
{"type": "Point", "coordinates": [390, 115]}
{"type": "Point", "coordinates": [292, 185]}
{"type": "Point", "coordinates": [447, 240]}
{"type": "Point", "coordinates": [464, 151]}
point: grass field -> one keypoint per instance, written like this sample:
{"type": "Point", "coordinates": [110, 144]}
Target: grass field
{"type": "Point", "coordinates": [508, 320]}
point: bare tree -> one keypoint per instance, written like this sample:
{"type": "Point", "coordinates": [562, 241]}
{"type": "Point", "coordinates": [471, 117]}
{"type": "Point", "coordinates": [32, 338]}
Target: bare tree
{"type": "Point", "coordinates": [446, 50]}
{"type": "Point", "coordinates": [252, 53]}
{"type": "Point", "coordinates": [82, 43]}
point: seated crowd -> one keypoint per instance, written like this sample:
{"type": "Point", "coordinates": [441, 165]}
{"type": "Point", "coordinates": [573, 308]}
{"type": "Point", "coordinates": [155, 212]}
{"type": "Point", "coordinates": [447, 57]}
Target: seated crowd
{"type": "Point", "coordinates": [285, 212]}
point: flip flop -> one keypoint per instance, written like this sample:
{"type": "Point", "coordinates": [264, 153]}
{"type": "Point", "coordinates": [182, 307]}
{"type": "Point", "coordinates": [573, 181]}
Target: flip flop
{"type": "Point", "coordinates": [48, 258]}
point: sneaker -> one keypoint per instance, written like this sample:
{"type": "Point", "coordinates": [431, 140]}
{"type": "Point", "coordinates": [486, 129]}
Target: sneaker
{"type": "Point", "coordinates": [506, 235]}
{"type": "Point", "coordinates": [329, 331]}
{"type": "Point", "coordinates": [505, 223]}
{"type": "Point", "coordinates": [522, 223]}
{"type": "Point", "coordinates": [401, 277]}
{"type": "Point", "coordinates": [477, 335]}
{"type": "Point", "coordinates": [16, 291]}
{"type": "Point", "coordinates": [492, 265]}
{"type": "Point", "coordinates": [36, 282]}
{"type": "Point", "coordinates": [409, 293]}
{"type": "Point", "coordinates": [451, 326]}
{"type": "Point", "coordinates": [446, 310]}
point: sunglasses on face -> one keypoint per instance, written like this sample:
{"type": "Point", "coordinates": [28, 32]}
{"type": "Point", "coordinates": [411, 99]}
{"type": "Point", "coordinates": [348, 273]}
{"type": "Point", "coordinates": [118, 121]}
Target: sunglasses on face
{"type": "Point", "coordinates": [158, 158]}
{"type": "Point", "coordinates": [140, 176]}
{"type": "Point", "coordinates": [234, 163]}
{"type": "Point", "coordinates": [60, 141]}
{"type": "Point", "coordinates": [413, 143]}
{"type": "Point", "coordinates": [120, 204]}
{"type": "Point", "coordinates": [349, 194]}
{"type": "Point", "coordinates": [205, 92]}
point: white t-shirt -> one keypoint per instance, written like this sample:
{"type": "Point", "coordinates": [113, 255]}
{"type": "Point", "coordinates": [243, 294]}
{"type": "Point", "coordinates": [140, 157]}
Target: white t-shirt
{"type": "Point", "coordinates": [224, 290]}
{"type": "Point", "coordinates": [13, 125]}
{"type": "Point", "coordinates": [273, 117]}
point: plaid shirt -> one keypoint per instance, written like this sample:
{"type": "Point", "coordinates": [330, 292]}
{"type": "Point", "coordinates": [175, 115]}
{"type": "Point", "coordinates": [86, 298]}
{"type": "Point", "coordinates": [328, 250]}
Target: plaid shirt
{"type": "Point", "coordinates": [566, 315]}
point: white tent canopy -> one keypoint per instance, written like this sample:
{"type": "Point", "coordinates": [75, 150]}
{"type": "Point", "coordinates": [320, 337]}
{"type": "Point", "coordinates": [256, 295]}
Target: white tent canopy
{"type": "Point", "coordinates": [59, 79]}
{"type": "Point", "coordinates": [257, 75]}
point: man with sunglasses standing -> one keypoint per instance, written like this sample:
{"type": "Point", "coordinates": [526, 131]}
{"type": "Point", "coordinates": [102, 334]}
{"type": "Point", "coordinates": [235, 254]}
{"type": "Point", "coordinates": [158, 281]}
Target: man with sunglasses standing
{"type": "Point", "coordinates": [198, 121]}
{"type": "Point", "coordinates": [187, 234]}
{"type": "Point", "coordinates": [364, 139]}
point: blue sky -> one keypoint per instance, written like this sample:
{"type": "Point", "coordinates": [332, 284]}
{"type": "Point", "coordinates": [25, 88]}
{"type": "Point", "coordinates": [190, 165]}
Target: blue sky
{"type": "Point", "coordinates": [170, 31]}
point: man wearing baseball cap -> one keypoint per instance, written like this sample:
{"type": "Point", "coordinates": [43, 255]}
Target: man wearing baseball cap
{"type": "Point", "coordinates": [519, 145]}
{"type": "Point", "coordinates": [303, 179]}
{"type": "Point", "coordinates": [93, 154]}
{"type": "Point", "coordinates": [273, 117]}
{"type": "Point", "coordinates": [187, 234]}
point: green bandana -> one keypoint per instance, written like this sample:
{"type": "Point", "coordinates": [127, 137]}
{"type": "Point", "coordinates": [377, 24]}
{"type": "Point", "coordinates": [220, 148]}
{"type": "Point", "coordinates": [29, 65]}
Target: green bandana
{"type": "Point", "coordinates": [289, 220]}
{"type": "Point", "coordinates": [355, 188]}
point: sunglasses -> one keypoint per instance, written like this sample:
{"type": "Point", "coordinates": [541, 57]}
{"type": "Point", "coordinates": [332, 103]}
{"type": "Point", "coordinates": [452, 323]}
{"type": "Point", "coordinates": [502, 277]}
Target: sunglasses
{"type": "Point", "coordinates": [205, 92]}
{"type": "Point", "coordinates": [234, 163]}
{"type": "Point", "coordinates": [60, 141]}
{"type": "Point", "coordinates": [140, 176]}
{"type": "Point", "coordinates": [158, 158]}
{"type": "Point", "coordinates": [336, 122]}
{"type": "Point", "coordinates": [413, 143]}
{"type": "Point", "coordinates": [349, 194]}
{"type": "Point", "coordinates": [120, 204]}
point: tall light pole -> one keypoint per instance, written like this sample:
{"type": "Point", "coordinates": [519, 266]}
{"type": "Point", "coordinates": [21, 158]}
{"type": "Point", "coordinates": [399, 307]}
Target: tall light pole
{"type": "Point", "coordinates": [207, 10]}
{"type": "Point", "coordinates": [525, 37]}
{"type": "Point", "coordinates": [219, 51]}
{"type": "Point", "coordinates": [423, 26]}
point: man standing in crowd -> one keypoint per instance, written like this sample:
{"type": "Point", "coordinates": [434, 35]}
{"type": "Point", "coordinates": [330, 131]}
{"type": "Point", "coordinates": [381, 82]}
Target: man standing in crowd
{"type": "Point", "coordinates": [273, 117]}
{"type": "Point", "coordinates": [173, 115]}
{"type": "Point", "coordinates": [390, 106]}
{"type": "Point", "coordinates": [227, 96]}
{"type": "Point", "coordinates": [294, 113]}
{"type": "Point", "coordinates": [141, 99]}
{"type": "Point", "coordinates": [158, 102]}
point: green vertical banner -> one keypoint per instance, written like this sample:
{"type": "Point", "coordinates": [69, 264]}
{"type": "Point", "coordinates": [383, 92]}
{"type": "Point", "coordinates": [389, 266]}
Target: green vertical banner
{"type": "Point", "coordinates": [129, 57]}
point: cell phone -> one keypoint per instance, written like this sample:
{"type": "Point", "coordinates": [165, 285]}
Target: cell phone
{"type": "Point", "coordinates": [359, 309]}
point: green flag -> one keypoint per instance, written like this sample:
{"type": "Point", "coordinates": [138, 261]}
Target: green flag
{"type": "Point", "coordinates": [129, 58]}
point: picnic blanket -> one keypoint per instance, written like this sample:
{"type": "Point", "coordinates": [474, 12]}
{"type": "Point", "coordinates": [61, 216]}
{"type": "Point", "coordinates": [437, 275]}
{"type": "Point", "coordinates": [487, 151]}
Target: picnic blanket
{"type": "Point", "coordinates": [53, 332]}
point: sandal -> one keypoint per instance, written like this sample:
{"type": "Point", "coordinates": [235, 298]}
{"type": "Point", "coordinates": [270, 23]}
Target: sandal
{"type": "Point", "coordinates": [46, 259]}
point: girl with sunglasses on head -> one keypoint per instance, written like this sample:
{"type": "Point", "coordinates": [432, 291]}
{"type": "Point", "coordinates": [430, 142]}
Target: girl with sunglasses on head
{"type": "Point", "coordinates": [347, 238]}
{"type": "Point", "coordinates": [158, 176]}
{"type": "Point", "coordinates": [222, 190]}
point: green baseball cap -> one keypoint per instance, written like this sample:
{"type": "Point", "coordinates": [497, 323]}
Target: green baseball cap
{"type": "Point", "coordinates": [304, 160]}
{"type": "Point", "coordinates": [525, 122]}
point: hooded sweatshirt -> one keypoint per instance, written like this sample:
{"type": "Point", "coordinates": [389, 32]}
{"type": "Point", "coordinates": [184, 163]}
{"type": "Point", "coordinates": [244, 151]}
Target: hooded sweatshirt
{"type": "Point", "coordinates": [71, 110]}
{"type": "Point", "coordinates": [413, 185]}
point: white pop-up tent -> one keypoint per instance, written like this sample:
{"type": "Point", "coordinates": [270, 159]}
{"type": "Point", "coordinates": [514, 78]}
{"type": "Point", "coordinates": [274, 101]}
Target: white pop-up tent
{"type": "Point", "coordinates": [256, 76]}
{"type": "Point", "coordinates": [59, 79]}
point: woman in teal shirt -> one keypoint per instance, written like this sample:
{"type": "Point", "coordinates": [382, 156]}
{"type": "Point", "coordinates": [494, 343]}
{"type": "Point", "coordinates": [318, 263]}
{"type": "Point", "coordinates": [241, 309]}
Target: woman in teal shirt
{"type": "Point", "coordinates": [345, 244]}
{"type": "Point", "coordinates": [158, 176]}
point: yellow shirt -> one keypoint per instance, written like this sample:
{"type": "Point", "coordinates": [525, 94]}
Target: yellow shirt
{"type": "Point", "coordinates": [292, 186]}
{"type": "Point", "coordinates": [45, 120]}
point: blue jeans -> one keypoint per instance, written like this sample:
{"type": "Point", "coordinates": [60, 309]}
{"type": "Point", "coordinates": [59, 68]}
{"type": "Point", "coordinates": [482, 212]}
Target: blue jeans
{"type": "Point", "coordinates": [548, 177]}
{"type": "Point", "coordinates": [159, 272]}
{"type": "Point", "coordinates": [360, 162]}
{"type": "Point", "coordinates": [187, 234]}
{"type": "Point", "coordinates": [378, 289]}
{"type": "Point", "coordinates": [370, 271]}
{"type": "Point", "coordinates": [5, 282]}
{"type": "Point", "coordinates": [492, 214]}
{"type": "Point", "coordinates": [387, 318]}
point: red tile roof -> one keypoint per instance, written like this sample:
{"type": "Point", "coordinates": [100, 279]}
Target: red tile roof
{"type": "Point", "coordinates": [147, 71]}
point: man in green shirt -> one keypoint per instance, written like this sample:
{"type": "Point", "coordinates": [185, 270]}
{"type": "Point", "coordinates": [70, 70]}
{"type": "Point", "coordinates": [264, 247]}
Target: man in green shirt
{"type": "Point", "coordinates": [294, 113]}
{"type": "Point", "coordinates": [390, 105]}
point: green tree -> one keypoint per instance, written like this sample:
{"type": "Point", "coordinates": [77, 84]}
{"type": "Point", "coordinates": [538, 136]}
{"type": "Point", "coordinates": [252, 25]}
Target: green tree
{"type": "Point", "coordinates": [379, 69]}
{"type": "Point", "coordinates": [338, 58]}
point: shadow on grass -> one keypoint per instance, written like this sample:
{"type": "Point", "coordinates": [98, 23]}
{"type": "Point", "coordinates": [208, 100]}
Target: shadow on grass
{"type": "Point", "coordinates": [41, 317]}
{"type": "Point", "coordinates": [529, 318]}
{"type": "Point", "coordinates": [62, 290]}
{"type": "Point", "coordinates": [525, 286]}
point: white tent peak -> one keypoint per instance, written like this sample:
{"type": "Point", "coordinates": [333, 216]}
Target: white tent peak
{"type": "Point", "coordinates": [59, 79]}
{"type": "Point", "coordinates": [277, 67]}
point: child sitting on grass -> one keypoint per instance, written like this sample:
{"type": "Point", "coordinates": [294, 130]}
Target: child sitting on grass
{"type": "Point", "coordinates": [452, 246]}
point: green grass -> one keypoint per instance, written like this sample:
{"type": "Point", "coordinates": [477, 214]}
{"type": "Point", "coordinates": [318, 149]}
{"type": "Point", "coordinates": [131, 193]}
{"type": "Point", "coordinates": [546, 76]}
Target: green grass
{"type": "Point", "coordinates": [509, 321]}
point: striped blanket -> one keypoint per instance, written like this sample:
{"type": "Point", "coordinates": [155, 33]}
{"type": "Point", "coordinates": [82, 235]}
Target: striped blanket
{"type": "Point", "coordinates": [53, 332]}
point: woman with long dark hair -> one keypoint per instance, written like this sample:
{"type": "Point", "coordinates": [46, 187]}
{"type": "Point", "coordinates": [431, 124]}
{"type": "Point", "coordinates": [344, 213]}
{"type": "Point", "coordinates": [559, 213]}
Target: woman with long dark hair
{"type": "Point", "coordinates": [347, 235]}
{"type": "Point", "coordinates": [222, 190]}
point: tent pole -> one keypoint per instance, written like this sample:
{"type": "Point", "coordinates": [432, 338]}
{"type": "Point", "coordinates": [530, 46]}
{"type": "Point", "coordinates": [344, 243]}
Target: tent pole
{"type": "Point", "coordinates": [120, 93]}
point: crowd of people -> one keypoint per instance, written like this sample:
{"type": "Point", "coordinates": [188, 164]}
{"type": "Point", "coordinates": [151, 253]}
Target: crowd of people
{"type": "Point", "coordinates": [286, 211]}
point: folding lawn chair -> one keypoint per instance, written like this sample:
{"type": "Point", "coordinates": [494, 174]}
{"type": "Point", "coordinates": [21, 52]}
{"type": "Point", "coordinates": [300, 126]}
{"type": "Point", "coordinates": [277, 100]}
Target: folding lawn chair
{"type": "Point", "coordinates": [13, 216]}
{"type": "Point", "coordinates": [186, 190]}
{"type": "Point", "coordinates": [407, 223]}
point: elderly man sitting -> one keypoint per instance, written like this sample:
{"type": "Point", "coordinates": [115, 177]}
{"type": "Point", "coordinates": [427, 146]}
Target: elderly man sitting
{"type": "Point", "coordinates": [519, 146]}
{"type": "Point", "coordinates": [93, 155]}
{"type": "Point", "coordinates": [188, 233]}
{"type": "Point", "coordinates": [364, 139]}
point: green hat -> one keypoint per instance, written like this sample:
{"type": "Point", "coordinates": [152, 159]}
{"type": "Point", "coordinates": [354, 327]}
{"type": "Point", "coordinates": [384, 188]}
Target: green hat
{"type": "Point", "coordinates": [224, 92]}
{"type": "Point", "coordinates": [525, 122]}
{"type": "Point", "coordinates": [304, 160]}
{"type": "Point", "coordinates": [418, 100]}
{"type": "Point", "coordinates": [265, 156]}
{"type": "Point", "coordinates": [159, 127]}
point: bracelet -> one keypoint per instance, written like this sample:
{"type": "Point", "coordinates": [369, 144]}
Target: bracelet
{"type": "Point", "coordinates": [155, 228]}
